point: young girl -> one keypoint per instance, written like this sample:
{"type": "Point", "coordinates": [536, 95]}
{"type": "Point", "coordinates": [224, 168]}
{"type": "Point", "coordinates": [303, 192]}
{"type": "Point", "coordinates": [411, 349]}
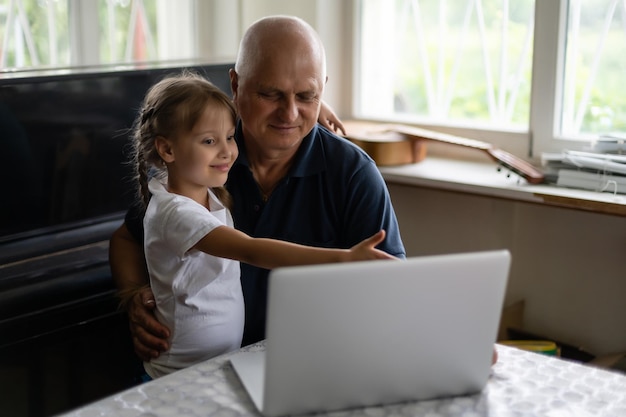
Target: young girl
{"type": "Point", "coordinates": [185, 133]}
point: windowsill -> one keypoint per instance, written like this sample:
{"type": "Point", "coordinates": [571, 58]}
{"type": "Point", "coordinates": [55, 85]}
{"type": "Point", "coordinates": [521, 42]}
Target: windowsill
{"type": "Point", "coordinates": [483, 179]}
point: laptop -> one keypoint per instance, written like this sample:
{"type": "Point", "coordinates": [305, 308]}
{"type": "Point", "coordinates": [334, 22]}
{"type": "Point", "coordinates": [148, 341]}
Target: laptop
{"type": "Point", "coordinates": [377, 332]}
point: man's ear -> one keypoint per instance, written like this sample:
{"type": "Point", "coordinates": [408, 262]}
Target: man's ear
{"type": "Point", "coordinates": [234, 82]}
{"type": "Point", "coordinates": [164, 149]}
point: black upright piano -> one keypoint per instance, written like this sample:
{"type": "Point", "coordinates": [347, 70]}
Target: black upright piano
{"type": "Point", "coordinates": [66, 184]}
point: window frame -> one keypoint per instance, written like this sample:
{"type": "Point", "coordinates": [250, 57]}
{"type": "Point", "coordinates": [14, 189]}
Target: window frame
{"type": "Point", "coordinates": [84, 34]}
{"type": "Point", "coordinates": [550, 32]}
{"type": "Point", "coordinates": [547, 86]}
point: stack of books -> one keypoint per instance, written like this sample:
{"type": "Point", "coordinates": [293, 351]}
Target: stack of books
{"type": "Point", "coordinates": [602, 169]}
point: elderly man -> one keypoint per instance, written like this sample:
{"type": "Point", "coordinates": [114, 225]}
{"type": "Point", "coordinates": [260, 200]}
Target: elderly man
{"type": "Point", "coordinates": [294, 180]}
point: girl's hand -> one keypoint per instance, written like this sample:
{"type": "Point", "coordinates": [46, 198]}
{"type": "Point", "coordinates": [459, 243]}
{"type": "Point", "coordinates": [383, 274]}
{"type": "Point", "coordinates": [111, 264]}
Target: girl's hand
{"type": "Point", "coordinates": [366, 249]}
{"type": "Point", "coordinates": [329, 119]}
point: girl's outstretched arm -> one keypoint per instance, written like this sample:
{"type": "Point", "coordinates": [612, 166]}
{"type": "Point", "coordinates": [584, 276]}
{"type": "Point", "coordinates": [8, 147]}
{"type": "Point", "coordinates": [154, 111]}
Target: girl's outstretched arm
{"type": "Point", "coordinates": [226, 242]}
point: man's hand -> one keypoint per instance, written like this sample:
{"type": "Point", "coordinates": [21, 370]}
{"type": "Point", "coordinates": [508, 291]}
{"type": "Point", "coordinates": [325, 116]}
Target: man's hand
{"type": "Point", "coordinates": [150, 338]}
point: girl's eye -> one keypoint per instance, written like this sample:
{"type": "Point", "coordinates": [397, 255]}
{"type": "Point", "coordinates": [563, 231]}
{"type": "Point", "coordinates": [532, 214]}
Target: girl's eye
{"type": "Point", "coordinates": [209, 141]}
{"type": "Point", "coordinates": [230, 137]}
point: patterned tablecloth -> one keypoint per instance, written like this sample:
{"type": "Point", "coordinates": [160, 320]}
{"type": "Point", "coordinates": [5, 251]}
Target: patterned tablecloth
{"type": "Point", "coordinates": [522, 384]}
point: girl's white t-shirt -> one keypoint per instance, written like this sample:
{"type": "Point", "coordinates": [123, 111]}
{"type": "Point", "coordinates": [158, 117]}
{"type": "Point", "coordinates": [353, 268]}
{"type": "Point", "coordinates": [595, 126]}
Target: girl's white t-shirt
{"type": "Point", "coordinates": [198, 296]}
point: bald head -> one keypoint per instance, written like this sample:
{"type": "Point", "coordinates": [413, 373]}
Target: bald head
{"type": "Point", "coordinates": [277, 86]}
{"type": "Point", "coordinates": [271, 37]}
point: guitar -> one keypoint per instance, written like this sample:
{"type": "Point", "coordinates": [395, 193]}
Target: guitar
{"type": "Point", "coordinates": [390, 144]}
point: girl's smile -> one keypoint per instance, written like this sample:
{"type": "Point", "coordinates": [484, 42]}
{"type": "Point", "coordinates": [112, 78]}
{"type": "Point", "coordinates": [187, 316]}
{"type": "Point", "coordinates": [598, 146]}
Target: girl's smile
{"type": "Point", "coordinates": [201, 158]}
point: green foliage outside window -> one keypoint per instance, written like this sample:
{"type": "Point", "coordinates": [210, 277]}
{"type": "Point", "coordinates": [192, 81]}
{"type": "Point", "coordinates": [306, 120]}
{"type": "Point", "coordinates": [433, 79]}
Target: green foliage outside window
{"type": "Point", "coordinates": [49, 28]}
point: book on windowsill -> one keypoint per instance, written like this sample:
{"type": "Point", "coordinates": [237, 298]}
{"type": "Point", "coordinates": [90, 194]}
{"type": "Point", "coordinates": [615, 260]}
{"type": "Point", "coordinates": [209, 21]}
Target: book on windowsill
{"type": "Point", "coordinates": [593, 181]}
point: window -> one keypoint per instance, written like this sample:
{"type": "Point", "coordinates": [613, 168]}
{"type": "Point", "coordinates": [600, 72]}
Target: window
{"type": "Point", "coordinates": [594, 96]}
{"type": "Point", "coordinates": [462, 62]}
{"type": "Point", "coordinates": [34, 34]}
{"type": "Point", "coordinates": [61, 33]}
{"type": "Point", "coordinates": [548, 70]}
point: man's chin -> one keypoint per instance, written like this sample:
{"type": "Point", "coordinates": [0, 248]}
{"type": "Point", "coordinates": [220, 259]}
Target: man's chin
{"type": "Point", "coordinates": [282, 139]}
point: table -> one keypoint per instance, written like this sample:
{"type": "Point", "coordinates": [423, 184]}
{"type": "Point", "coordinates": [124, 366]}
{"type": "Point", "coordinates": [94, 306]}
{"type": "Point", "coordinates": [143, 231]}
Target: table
{"type": "Point", "coordinates": [522, 384]}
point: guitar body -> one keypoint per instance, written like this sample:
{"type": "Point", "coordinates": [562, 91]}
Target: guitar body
{"type": "Point", "coordinates": [387, 147]}
{"type": "Point", "coordinates": [394, 144]}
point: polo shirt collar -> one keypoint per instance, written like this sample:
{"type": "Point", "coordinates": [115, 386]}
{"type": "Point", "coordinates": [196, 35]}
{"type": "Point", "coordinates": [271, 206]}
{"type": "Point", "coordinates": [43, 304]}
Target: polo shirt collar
{"type": "Point", "coordinates": [309, 159]}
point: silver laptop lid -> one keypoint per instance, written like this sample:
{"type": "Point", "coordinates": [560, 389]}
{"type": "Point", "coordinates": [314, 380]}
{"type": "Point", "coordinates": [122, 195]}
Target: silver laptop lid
{"type": "Point", "coordinates": [379, 332]}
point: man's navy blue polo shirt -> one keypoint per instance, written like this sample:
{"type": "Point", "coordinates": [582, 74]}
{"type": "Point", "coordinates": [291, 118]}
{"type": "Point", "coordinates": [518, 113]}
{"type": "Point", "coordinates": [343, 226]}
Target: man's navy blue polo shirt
{"type": "Point", "coordinates": [334, 197]}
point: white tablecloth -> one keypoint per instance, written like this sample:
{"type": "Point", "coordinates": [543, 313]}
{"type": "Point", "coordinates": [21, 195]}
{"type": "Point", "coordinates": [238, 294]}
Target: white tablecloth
{"type": "Point", "coordinates": [522, 384]}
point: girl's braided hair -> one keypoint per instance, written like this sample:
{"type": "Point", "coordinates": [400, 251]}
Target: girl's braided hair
{"type": "Point", "coordinates": [172, 107]}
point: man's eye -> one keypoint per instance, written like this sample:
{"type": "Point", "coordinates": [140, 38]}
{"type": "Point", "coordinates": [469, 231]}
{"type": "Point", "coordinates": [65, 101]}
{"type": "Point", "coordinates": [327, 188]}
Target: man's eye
{"type": "Point", "coordinates": [268, 96]}
{"type": "Point", "coordinates": [307, 97]}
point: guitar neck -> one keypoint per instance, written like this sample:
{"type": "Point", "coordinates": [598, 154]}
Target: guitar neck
{"type": "Point", "coordinates": [509, 161]}
{"type": "Point", "coordinates": [418, 133]}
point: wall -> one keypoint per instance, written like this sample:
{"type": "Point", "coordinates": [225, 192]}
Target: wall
{"type": "Point", "coordinates": [568, 265]}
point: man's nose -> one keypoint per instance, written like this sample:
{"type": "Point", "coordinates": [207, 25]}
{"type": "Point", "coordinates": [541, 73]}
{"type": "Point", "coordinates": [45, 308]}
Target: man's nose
{"type": "Point", "coordinates": [289, 108]}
